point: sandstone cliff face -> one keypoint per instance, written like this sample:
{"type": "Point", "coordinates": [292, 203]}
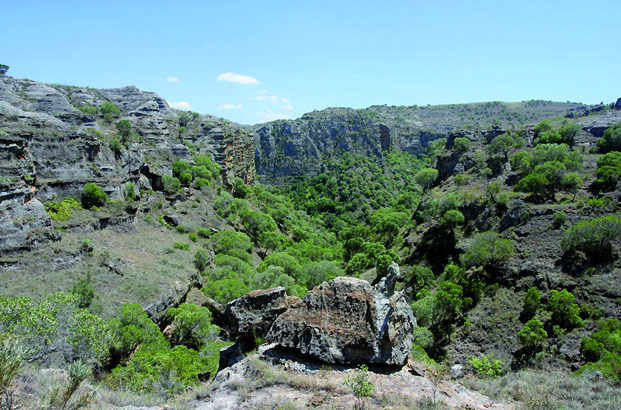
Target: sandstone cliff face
{"type": "Point", "coordinates": [50, 149]}
{"type": "Point", "coordinates": [302, 146]}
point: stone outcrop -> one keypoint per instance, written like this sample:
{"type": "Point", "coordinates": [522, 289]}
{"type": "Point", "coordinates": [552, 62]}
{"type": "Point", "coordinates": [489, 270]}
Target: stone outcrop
{"type": "Point", "coordinates": [253, 314]}
{"type": "Point", "coordinates": [49, 149]}
{"type": "Point", "coordinates": [348, 321]}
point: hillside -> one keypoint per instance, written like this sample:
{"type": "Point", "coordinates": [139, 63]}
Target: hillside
{"type": "Point", "coordinates": [502, 217]}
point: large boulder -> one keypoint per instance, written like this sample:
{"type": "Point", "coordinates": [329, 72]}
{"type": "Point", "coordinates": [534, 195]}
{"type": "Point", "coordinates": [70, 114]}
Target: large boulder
{"type": "Point", "coordinates": [347, 321]}
{"type": "Point", "coordinates": [253, 314]}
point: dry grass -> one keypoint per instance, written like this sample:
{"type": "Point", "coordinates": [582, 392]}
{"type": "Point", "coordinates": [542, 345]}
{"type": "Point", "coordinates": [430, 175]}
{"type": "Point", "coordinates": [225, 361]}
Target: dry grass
{"type": "Point", "coordinates": [536, 389]}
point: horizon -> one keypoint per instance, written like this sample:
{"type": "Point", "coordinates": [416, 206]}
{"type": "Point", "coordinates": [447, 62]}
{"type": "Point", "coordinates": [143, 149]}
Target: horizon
{"type": "Point", "coordinates": [252, 63]}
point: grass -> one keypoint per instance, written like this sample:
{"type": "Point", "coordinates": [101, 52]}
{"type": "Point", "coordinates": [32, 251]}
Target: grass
{"type": "Point", "coordinates": [549, 389]}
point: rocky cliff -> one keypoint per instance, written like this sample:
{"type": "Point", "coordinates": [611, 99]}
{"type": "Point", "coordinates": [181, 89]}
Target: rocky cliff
{"type": "Point", "coordinates": [54, 139]}
{"type": "Point", "coordinates": [301, 147]}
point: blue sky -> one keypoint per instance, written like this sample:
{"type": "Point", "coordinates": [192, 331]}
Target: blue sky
{"type": "Point", "coordinates": [253, 61]}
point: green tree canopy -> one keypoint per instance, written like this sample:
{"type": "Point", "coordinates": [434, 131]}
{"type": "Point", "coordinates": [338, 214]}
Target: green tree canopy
{"type": "Point", "coordinates": [92, 195]}
{"type": "Point", "coordinates": [593, 237]}
{"type": "Point", "coordinates": [611, 140]}
{"type": "Point", "coordinates": [487, 249]}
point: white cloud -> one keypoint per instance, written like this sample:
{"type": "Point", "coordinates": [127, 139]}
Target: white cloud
{"type": "Point", "coordinates": [230, 106]}
{"type": "Point", "coordinates": [262, 92]}
{"type": "Point", "coordinates": [237, 78]}
{"type": "Point", "coordinates": [172, 79]}
{"type": "Point", "coordinates": [181, 105]}
{"type": "Point", "coordinates": [286, 107]}
{"type": "Point", "coordinates": [270, 115]}
{"type": "Point", "coordinates": [273, 98]}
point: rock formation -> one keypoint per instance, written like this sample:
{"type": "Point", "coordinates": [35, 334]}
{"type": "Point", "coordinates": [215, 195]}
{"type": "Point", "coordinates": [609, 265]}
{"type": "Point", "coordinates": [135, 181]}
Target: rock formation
{"type": "Point", "coordinates": [347, 321]}
{"type": "Point", "coordinates": [253, 314]}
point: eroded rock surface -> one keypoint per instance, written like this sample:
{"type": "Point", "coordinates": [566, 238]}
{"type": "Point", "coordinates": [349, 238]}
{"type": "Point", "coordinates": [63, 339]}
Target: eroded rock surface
{"type": "Point", "coordinates": [347, 320]}
{"type": "Point", "coordinates": [254, 313]}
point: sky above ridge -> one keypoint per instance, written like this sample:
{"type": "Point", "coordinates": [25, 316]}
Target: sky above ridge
{"type": "Point", "coordinates": [255, 61]}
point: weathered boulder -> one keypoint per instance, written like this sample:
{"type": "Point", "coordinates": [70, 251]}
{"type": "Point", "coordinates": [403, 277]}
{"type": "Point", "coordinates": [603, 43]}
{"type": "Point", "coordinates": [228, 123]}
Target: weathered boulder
{"type": "Point", "coordinates": [254, 313]}
{"type": "Point", "coordinates": [347, 320]}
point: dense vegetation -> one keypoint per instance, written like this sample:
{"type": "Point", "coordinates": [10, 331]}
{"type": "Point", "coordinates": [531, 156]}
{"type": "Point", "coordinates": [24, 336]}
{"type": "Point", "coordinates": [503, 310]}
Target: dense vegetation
{"type": "Point", "coordinates": [464, 238]}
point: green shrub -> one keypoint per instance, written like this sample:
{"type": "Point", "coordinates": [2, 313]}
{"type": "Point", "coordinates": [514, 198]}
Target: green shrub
{"type": "Point", "coordinates": [226, 289]}
{"type": "Point", "coordinates": [487, 249]}
{"type": "Point", "coordinates": [531, 303]}
{"type": "Point", "coordinates": [12, 355]}
{"type": "Point", "coordinates": [89, 109]}
{"type": "Point", "coordinates": [92, 195]}
{"type": "Point", "coordinates": [108, 107]}
{"type": "Point", "coordinates": [565, 313]}
{"type": "Point", "coordinates": [606, 339]}
{"type": "Point", "coordinates": [593, 237]}
{"type": "Point", "coordinates": [191, 325]}
{"type": "Point", "coordinates": [124, 129]}
{"type": "Point", "coordinates": [560, 218]}
{"type": "Point", "coordinates": [62, 210]}
{"type": "Point", "coordinates": [161, 369]}
{"type": "Point", "coordinates": [130, 191]}
{"type": "Point", "coordinates": [55, 329]}
{"type": "Point", "coordinates": [204, 233]}
{"type": "Point", "coordinates": [608, 172]}
{"type": "Point", "coordinates": [360, 384]}
{"type": "Point", "coordinates": [532, 335]}
{"type": "Point", "coordinates": [171, 184]}
{"type": "Point", "coordinates": [611, 140]}
{"type": "Point", "coordinates": [485, 366]}
{"type": "Point", "coordinates": [201, 260]}
{"type": "Point", "coordinates": [116, 146]}
{"type": "Point", "coordinates": [133, 327]}
{"type": "Point", "coordinates": [84, 291]}
{"type": "Point", "coordinates": [181, 245]}
{"type": "Point", "coordinates": [461, 144]}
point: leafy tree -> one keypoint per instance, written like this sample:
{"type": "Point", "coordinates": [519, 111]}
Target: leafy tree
{"type": "Point", "coordinates": [257, 223]}
{"type": "Point", "coordinates": [608, 171]}
{"type": "Point", "coordinates": [130, 192]}
{"type": "Point", "coordinates": [452, 219]}
{"type": "Point", "coordinates": [611, 140]}
{"type": "Point", "coordinates": [133, 327]}
{"type": "Point", "coordinates": [225, 241]}
{"type": "Point", "coordinates": [461, 144]}
{"type": "Point", "coordinates": [191, 325]}
{"type": "Point", "coordinates": [448, 300]}
{"type": "Point", "coordinates": [503, 144]}
{"type": "Point", "coordinates": [487, 249]}
{"type": "Point", "coordinates": [565, 312]}
{"type": "Point", "coordinates": [3, 69]}
{"type": "Point", "coordinates": [535, 184]}
{"type": "Point", "coordinates": [543, 126]}
{"type": "Point", "coordinates": [522, 162]}
{"type": "Point", "coordinates": [531, 302]}
{"type": "Point", "coordinates": [568, 133]}
{"type": "Point", "coordinates": [593, 237]}
{"type": "Point", "coordinates": [532, 335]}
{"type": "Point", "coordinates": [571, 182]}
{"type": "Point", "coordinates": [92, 195]}
{"type": "Point", "coordinates": [425, 177]}
{"type": "Point", "coordinates": [124, 129]}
